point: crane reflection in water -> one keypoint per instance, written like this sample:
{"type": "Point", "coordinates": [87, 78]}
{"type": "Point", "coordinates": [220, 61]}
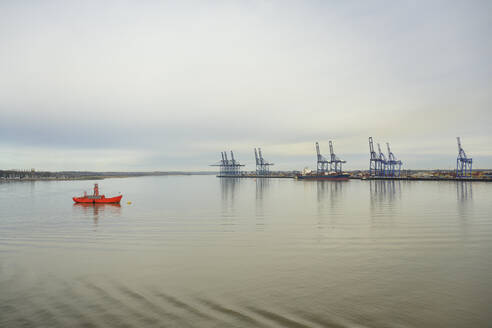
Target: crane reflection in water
{"type": "Point", "coordinates": [384, 195]}
{"type": "Point", "coordinates": [329, 202]}
{"type": "Point", "coordinates": [262, 185]}
{"type": "Point", "coordinates": [464, 197]}
{"type": "Point", "coordinates": [464, 191]}
{"type": "Point", "coordinates": [228, 190]}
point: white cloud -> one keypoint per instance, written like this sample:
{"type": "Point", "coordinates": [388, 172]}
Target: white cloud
{"type": "Point", "coordinates": [175, 81]}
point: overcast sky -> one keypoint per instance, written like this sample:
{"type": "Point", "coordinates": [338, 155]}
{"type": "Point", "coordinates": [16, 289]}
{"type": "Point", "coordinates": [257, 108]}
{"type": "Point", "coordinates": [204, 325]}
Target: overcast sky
{"type": "Point", "coordinates": [168, 85]}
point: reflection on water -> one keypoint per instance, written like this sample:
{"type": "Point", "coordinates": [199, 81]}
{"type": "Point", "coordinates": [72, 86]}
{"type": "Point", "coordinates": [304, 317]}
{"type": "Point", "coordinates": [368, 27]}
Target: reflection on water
{"type": "Point", "coordinates": [329, 202]}
{"type": "Point", "coordinates": [383, 197]}
{"type": "Point", "coordinates": [464, 196]}
{"type": "Point", "coordinates": [384, 192]}
{"type": "Point", "coordinates": [97, 210]}
{"type": "Point", "coordinates": [464, 191]}
{"type": "Point", "coordinates": [205, 252]}
{"type": "Point", "coordinates": [333, 189]}
{"type": "Point", "coordinates": [262, 185]}
{"type": "Point", "coordinates": [228, 190]}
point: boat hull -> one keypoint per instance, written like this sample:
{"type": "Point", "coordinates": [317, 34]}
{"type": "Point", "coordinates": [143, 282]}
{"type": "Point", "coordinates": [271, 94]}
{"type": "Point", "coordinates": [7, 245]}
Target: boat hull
{"type": "Point", "coordinates": [341, 177]}
{"type": "Point", "coordinates": [102, 200]}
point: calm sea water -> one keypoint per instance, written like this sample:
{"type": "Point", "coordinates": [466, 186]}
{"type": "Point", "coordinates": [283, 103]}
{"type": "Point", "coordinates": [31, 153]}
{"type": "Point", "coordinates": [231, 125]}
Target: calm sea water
{"type": "Point", "coordinates": [198, 251]}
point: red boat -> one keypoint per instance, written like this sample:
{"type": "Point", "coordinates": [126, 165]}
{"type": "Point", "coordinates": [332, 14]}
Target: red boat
{"type": "Point", "coordinates": [96, 198]}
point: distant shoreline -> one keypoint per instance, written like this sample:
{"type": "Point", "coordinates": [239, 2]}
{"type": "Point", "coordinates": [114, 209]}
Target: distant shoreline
{"type": "Point", "coordinates": [14, 175]}
{"type": "Point", "coordinates": [407, 175]}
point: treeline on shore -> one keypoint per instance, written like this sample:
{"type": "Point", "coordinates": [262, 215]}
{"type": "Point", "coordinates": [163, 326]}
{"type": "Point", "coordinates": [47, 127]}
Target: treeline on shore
{"type": "Point", "coordinates": [85, 175]}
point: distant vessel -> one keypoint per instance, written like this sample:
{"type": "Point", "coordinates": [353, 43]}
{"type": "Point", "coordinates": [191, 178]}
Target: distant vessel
{"type": "Point", "coordinates": [309, 175]}
{"type": "Point", "coordinates": [95, 198]}
{"type": "Point", "coordinates": [328, 176]}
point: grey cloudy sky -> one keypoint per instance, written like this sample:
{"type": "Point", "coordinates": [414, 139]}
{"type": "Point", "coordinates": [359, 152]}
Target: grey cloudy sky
{"type": "Point", "coordinates": [167, 85]}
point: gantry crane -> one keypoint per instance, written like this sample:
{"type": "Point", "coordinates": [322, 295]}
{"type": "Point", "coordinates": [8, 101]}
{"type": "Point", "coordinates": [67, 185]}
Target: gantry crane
{"type": "Point", "coordinates": [262, 166]}
{"type": "Point", "coordinates": [335, 162]}
{"type": "Point", "coordinates": [228, 167]}
{"type": "Point", "coordinates": [382, 162]}
{"type": "Point", "coordinates": [393, 163]}
{"type": "Point", "coordinates": [463, 163]}
{"type": "Point", "coordinates": [374, 160]}
{"type": "Point", "coordinates": [322, 165]}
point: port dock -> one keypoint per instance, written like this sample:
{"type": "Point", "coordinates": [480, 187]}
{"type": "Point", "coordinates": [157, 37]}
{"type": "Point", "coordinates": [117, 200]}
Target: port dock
{"type": "Point", "coordinates": [424, 179]}
{"type": "Point", "coordinates": [259, 176]}
{"type": "Point", "coordinates": [382, 167]}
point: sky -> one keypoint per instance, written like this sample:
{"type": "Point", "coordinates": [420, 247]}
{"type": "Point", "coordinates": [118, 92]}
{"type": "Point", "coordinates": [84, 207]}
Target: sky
{"type": "Point", "coordinates": [168, 85]}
